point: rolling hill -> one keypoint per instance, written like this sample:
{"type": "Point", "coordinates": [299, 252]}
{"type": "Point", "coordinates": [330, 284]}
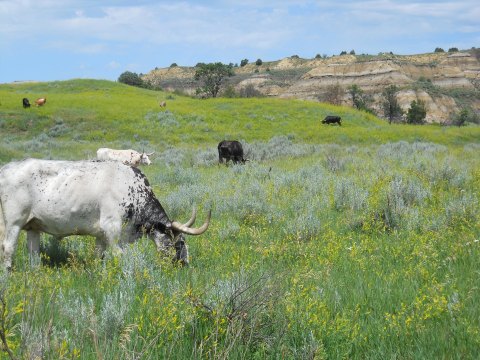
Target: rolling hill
{"type": "Point", "coordinates": [88, 114]}
{"type": "Point", "coordinates": [358, 241]}
{"type": "Point", "coordinates": [446, 82]}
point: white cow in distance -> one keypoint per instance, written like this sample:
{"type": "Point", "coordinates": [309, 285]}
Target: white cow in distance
{"type": "Point", "coordinates": [128, 157]}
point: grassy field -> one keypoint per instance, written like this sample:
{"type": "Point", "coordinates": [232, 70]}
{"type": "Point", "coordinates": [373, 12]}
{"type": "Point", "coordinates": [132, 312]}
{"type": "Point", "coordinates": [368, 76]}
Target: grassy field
{"type": "Point", "coordinates": [360, 241]}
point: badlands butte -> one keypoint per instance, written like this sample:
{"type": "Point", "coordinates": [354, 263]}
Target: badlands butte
{"type": "Point", "coordinates": [447, 82]}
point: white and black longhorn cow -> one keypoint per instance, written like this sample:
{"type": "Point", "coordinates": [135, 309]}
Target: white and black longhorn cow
{"type": "Point", "coordinates": [108, 200]}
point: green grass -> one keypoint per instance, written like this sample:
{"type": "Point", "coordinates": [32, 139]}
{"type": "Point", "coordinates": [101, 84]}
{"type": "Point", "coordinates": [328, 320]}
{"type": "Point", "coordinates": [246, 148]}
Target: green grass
{"type": "Point", "coordinates": [360, 241]}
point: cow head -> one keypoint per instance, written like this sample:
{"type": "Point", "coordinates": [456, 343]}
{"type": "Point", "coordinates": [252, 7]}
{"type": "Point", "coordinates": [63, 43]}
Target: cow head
{"type": "Point", "coordinates": [144, 158]}
{"type": "Point", "coordinates": [175, 236]}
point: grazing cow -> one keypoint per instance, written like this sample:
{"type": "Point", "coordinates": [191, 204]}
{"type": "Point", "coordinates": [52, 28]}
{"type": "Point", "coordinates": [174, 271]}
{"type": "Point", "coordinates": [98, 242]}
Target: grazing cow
{"type": "Point", "coordinates": [230, 150]}
{"type": "Point", "coordinates": [332, 119]}
{"type": "Point", "coordinates": [128, 157]}
{"type": "Point", "coordinates": [163, 104]}
{"type": "Point", "coordinates": [40, 101]}
{"type": "Point", "coordinates": [108, 200]}
{"type": "Point", "coordinates": [26, 103]}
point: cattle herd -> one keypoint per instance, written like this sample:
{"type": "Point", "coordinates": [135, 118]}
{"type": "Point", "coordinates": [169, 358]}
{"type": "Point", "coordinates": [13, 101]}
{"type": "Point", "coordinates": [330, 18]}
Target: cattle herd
{"type": "Point", "coordinates": [108, 198]}
{"type": "Point", "coordinates": [38, 102]}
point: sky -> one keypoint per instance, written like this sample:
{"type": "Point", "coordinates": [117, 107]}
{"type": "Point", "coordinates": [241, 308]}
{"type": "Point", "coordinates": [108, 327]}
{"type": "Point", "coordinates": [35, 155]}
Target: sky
{"type": "Point", "coordinates": [48, 40]}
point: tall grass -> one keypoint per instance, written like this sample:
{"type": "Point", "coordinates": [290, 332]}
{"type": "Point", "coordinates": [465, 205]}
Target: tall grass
{"type": "Point", "coordinates": [327, 244]}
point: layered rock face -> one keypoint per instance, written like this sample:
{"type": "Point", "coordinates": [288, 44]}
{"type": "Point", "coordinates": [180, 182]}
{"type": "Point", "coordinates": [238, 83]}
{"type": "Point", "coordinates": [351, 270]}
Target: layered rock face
{"type": "Point", "coordinates": [313, 79]}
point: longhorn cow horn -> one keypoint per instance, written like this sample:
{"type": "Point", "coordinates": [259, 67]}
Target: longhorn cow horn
{"type": "Point", "coordinates": [192, 218]}
{"type": "Point", "coordinates": [192, 231]}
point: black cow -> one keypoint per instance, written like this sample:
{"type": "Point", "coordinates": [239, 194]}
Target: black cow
{"type": "Point", "coordinates": [230, 150]}
{"type": "Point", "coordinates": [26, 103]}
{"type": "Point", "coordinates": [332, 119]}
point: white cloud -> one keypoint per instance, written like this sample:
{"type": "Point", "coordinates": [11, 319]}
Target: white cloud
{"type": "Point", "coordinates": [113, 65]}
{"type": "Point", "coordinates": [225, 30]}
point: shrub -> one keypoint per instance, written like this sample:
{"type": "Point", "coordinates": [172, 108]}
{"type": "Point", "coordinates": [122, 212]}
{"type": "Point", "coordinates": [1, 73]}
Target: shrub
{"type": "Point", "coordinates": [417, 112]}
{"type": "Point", "coordinates": [465, 116]}
{"type": "Point", "coordinates": [243, 62]}
{"type": "Point", "coordinates": [230, 92]}
{"type": "Point", "coordinates": [131, 78]}
{"type": "Point", "coordinates": [249, 91]}
{"type": "Point", "coordinates": [439, 50]}
{"type": "Point", "coordinates": [258, 62]}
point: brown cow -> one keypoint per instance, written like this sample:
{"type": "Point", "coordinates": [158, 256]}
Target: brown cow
{"type": "Point", "coordinates": [40, 101]}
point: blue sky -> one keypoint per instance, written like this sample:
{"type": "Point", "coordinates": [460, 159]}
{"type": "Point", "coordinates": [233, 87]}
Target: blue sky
{"type": "Point", "coordinates": [47, 40]}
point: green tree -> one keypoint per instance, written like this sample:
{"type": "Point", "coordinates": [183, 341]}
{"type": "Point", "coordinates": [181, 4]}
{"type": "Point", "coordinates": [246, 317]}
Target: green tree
{"type": "Point", "coordinates": [439, 50]}
{"type": "Point", "coordinates": [453, 49]}
{"type": "Point", "coordinates": [243, 62]}
{"type": "Point", "coordinates": [131, 78]}
{"type": "Point", "coordinates": [360, 100]}
{"type": "Point", "coordinates": [230, 92]}
{"type": "Point", "coordinates": [461, 118]}
{"type": "Point", "coordinates": [212, 75]}
{"type": "Point", "coordinates": [391, 108]}
{"type": "Point", "coordinates": [258, 62]}
{"type": "Point", "coordinates": [417, 112]}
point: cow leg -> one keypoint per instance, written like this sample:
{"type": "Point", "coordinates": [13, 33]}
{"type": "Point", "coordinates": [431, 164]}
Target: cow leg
{"type": "Point", "coordinates": [9, 244]}
{"type": "Point", "coordinates": [33, 246]}
{"type": "Point", "coordinates": [33, 242]}
{"type": "Point", "coordinates": [100, 247]}
{"type": "Point", "coordinates": [112, 232]}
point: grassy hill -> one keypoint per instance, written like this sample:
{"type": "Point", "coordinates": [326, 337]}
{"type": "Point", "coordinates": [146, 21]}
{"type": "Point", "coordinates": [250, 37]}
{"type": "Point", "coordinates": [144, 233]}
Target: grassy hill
{"type": "Point", "coordinates": [87, 114]}
{"type": "Point", "coordinates": [360, 241]}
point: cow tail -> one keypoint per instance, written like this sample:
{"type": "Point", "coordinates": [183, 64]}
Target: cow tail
{"type": "Point", "coordinates": [2, 229]}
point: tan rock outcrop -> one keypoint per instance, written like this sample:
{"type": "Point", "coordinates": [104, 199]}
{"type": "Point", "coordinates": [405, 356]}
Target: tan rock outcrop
{"type": "Point", "coordinates": [311, 79]}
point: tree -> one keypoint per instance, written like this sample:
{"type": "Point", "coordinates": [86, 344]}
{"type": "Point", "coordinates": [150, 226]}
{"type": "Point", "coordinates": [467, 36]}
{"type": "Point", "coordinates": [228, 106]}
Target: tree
{"type": "Point", "coordinates": [334, 94]}
{"type": "Point", "coordinates": [391, 108]}
{"type": "Point", "coordinates": [243, 62]}
{"type": "Point", "coordinates": [439, 50]}
{"type": "Point", "coordinates": [343, 53]}
{"type": "Point", "coordinates": [249, 91]}
{"type": "Point", "coordinates": [461, 118]}
{"type": "Point", "coordinates": [352, 52]}
{"type": "Point", "coordinates": [258, 62]}
{"type": "Point", "coordinates": [131, 78]}
{"type": "Point", "coordinates": [417, 112]}
{"type": "Point", "coordinates": [212, 75]}
{"type": "Point", "coordinates": [359, 99]}
{"type": "Point", "coordinates": [173, 65]}
{"type": "Point", "coordinates": [453, 49]}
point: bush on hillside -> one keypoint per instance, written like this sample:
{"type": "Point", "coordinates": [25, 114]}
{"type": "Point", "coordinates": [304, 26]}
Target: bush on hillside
{"type": "Point", "coordinates": [466, 115]}
{"type": "Point", "coordinates": [417, 112]}
{"type": "Point", "coordinates": [131, 78]}
{"type": "Point", "coordinates": [249, 91]}
{"type": "Point", "coordinates": [391, 108]}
